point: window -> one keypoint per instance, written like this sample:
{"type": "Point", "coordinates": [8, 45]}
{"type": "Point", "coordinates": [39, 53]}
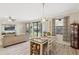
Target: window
{"type": "Point", "coordinates": [59, 26]}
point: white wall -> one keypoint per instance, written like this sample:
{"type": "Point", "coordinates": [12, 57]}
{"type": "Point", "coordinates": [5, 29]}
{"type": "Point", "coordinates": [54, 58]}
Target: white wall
{"type": "Point", "coordinates": [20, 28]}
{"type": "Point", "coordinates": [74, 17]}
{"type": "Point", "coordinates": [44, 27]}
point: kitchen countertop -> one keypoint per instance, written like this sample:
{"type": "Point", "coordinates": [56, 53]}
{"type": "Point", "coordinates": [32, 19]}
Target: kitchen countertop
{"type": "Point", "coordinates": [38, 40]}
{"type": "Point", "coordinates": [41, 39]}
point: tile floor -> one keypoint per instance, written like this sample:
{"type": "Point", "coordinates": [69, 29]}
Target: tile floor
{"type": "Point", "coordinates": [19, 49]}
{"type": "Point", "coordinates": [24, 49]}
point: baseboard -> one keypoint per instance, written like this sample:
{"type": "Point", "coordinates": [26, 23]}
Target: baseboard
{"type": "Point", "coordinates": [13, 44]}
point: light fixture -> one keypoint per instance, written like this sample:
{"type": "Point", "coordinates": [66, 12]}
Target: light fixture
{"type": "Point", "coordinates": [43, 17]}
{"type": "Point", "coordinates": [11, 19]}
{"type": "Point", "coordinates": [59, 19]}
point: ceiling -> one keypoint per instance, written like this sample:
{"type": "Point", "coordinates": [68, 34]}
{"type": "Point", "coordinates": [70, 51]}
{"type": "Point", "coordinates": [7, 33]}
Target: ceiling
{"type": "Point", "coordinates": [31, 11]}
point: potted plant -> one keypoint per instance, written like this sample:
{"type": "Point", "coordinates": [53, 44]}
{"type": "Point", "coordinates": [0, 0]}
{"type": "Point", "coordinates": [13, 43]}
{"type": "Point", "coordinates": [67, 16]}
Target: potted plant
{"type": "Point", "coordinates": [48, 34]}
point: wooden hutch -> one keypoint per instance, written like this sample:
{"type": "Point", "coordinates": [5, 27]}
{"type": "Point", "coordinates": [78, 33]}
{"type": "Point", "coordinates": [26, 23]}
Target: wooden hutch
{"type": "Point", "coordinates": [75, 35]}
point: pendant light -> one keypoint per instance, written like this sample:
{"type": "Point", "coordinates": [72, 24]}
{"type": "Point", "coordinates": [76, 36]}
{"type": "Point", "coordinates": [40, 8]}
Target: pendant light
{"type": "Point", "coordinates": [43, 17]}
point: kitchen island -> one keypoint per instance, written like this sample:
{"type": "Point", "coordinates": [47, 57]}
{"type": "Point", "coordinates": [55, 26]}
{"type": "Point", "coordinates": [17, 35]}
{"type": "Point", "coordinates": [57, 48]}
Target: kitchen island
{"type": "Point", "coordinates": [38, 46]}
{"type": "Point", "coordinates": [50, 46]}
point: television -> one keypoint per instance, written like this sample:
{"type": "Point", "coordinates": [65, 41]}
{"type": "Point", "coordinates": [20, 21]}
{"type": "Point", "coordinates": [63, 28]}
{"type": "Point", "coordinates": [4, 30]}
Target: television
{"type": "Point", "coordinates": [9, 28]}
